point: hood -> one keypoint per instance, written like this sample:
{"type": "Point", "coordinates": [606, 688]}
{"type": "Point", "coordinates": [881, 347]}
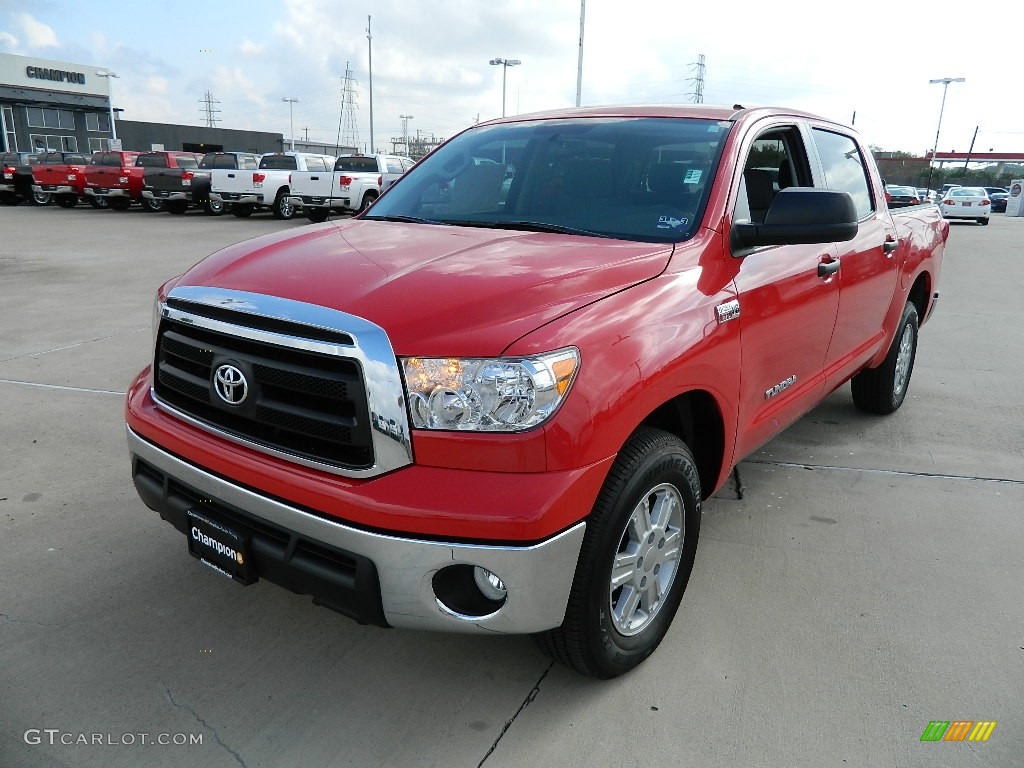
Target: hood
{"type": "Point", "coordinates": [436, 290]}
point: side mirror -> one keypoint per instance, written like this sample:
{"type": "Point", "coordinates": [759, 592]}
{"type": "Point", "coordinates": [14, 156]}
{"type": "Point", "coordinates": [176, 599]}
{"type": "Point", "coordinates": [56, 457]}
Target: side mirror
{"type": "Point", "coordinates": [801, 215]}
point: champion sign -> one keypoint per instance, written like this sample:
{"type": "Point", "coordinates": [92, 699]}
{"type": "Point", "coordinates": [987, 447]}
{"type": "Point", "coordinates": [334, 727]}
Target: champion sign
{"type": "Point", "coordinates": [56, 75]}
{"type": "Point", "coordinates": [216, 546]}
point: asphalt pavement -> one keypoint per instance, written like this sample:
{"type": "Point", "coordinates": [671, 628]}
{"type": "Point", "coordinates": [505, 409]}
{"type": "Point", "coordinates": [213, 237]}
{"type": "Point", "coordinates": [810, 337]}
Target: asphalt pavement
{"type": "Point", "coordinates": [863, 577]}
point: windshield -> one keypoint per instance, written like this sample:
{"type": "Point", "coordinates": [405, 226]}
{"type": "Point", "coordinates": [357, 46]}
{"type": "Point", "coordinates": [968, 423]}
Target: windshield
{"type": "Point", "coordinates": [644, 179]}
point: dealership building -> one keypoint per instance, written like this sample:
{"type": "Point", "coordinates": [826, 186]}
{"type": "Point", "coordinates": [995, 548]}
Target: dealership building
{"type": "Point", "coordinates": [58, 105]}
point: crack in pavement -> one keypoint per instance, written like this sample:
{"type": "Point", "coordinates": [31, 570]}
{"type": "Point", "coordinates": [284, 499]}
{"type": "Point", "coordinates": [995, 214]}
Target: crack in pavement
{"type": "Point", "coordinates": [12, 620]}
{"type": "Point", "coordinates": [205, 724]}
{"type": "Point", "coordinates": [67, 389]}
{"type": "Point", "coordinates": [898, 472]}
{"type": "Point", "coordinates": [72, 346]}
{"type": "Point", "coordinates": [508, 723]}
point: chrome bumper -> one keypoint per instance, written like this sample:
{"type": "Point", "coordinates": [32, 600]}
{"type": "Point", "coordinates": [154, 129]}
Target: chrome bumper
{"type": "Point", "coordinates": [538, 578]}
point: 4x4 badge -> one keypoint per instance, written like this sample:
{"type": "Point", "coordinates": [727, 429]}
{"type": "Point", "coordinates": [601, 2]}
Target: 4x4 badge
{"type": "Point", "coordinates": [230, 385]}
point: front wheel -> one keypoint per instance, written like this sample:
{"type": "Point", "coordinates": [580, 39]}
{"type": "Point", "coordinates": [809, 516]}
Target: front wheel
{"type": "Point", "coordinates": [883, 389]}
{"type": "Point", "coordinates": [636, 559]}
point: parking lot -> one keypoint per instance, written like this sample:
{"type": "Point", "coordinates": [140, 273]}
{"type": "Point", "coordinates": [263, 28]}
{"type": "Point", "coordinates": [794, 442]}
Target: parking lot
{"type": "Point", "coordinates": [864, 576]}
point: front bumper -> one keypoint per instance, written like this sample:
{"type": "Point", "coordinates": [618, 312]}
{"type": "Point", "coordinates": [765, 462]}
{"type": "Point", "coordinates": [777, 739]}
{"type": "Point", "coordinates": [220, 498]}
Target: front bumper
{"type": "Point", "coordinates": [396, 573]}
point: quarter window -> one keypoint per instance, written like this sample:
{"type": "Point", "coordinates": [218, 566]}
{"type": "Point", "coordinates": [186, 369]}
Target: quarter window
{"type": "Point", "coordinates": [844, 168]}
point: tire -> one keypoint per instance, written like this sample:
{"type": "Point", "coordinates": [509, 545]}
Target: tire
{"type": "Point", "coordinates": [983, 222]}
{"type": "Point", "coordinates": [120, 203]}
{"type": "Point", "coordinates": [648, 510]}
{"type": "Point", "coordinates": [367, 201]}
{"type": "Point", "coordinates": [10, 199]}
{"type": "Point", "coordinates": [41, 198]}
{"type": "Point", "coordinates": [151, 205]}
{"type": "Point", "coordinates": [177, 207]}
{"type": "Point", "coordinates": [67, 201]}
{"type": "Point", "coordinates": [317, 215]}
{"type": "Point", "coordinates": [283, 208]}
{"type": "Point", "coordinates": [243, 210]}
{"type": "Point", "coordinates": [99, 202]}
{"type": "Point", "coordinates": [213, 207]}
{"type": "Point", "coordinates": [883, 389]}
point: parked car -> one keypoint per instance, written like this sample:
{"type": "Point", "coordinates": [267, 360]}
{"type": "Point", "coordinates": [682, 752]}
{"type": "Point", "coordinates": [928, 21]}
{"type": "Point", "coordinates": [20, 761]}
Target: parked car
{"type": "Point", "coordinates": [927, 195]}
{"type": "Point", "coordinates": [62, 176]}
{"type": "Point", "coordinates": [159, 160]}
{"type": "Point", "coordinates": [179, 187]}
{"type": "Point", "coordinates": [966, 203]}
{"type": "Point", "coordinates": [501, 413]}
{"type": "Point", "coordinates": [269, 186]}
{"type": "Point", "coordinates": [16, 178]}
{"type": "Point", "coordinates": [106, 178]}
{"type": "Point", "coordinates": [945, 190]}
{"type": "Point", "coordinates": [901, 197]}
{"type": "Point", "coordinates": [355, 182]}
{"type": "Point", "coordinates": [999, 201]}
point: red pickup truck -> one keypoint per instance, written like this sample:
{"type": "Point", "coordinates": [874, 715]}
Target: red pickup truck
{"type": "Point", "coordinates": [495, 401]}
{"type": "Point", "coordinates": [125, 186]}
{"type": "Point", "coordinates": [60, 175]}
{"type": "Point", "coordinates": [106, 179]}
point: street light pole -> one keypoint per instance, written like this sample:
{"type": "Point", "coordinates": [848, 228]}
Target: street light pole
{"type": "Point", "coordinates": [945, 86]}
{"type": "Point", "coordinates": [405, 131]}
{"type": "Point", "coordinates": [291, 118]}
{"type": "Point", "coordinates": [110, 97]}
{"type": "Point", "coordinates": [505, 64]}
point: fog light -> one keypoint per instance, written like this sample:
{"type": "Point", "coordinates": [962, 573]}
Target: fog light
{"type": "Point", "coordinates": [489, 584]}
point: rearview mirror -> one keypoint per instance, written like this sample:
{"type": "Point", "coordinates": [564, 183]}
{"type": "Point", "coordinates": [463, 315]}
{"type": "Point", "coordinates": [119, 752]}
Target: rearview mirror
{"type": "Point", "coordinates": [800, 215]}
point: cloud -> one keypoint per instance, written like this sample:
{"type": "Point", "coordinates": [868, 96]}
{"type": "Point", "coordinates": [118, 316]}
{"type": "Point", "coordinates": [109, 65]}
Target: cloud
{"type": "Point", "coordinates": [37, 34]}
{"type": "Point", "coordinates": [249, 48]}
{"type": "Point", "coordinates": [9, 43]}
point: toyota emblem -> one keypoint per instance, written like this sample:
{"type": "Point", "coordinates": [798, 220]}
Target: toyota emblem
{"type": "Point", "coordinates": [230, 385]}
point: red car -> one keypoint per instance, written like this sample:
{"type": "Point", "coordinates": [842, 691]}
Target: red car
{"type": "Point", "coordinates": [106, 179]}
{"type": "Point", "coordinates": [61, 175]}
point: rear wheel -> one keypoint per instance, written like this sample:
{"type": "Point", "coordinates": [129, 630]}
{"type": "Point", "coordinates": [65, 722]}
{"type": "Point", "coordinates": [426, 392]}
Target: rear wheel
{"type": "Point", "coordinates": [67, 201]}
{"type": "Point", "coordinates": [10, 199]}
{"type": "Point", "coordinates": [177, 207]}
{"type": "Point", "coordinates": [98, 201]}
{"type": "Point", "coordinates": [283, 208]}
{"type": "Point", "coordinates": [636, 559]}
{"type": "Point", "coordinates": [317, 215]}
{"type": "Point", "coordinates": [883, 389]}
{"type": "Point", "coordinates": [120, 203]}
{"type": "Point", "coordinates": [152, 205]}
{"type": "Point", "coordinates": [41, 198]}
{"type": "Point", "coordinates": [242, 210]}
{"type": "Point", "coordinates": [367, 201]}
{"type": "Point", "coordinates": [983, 222]}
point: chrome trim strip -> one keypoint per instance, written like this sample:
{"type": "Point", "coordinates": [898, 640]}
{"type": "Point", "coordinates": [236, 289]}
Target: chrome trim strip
{"type": "Point", "coordinates": [538, 577]}
{"type": "Point", "coordinates": [371, 350]}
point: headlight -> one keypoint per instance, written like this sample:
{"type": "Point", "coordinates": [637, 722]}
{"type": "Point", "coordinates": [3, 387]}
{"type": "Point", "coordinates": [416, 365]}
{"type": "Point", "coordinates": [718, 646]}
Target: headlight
{"type": "Point", "coordinates": [504, 394]}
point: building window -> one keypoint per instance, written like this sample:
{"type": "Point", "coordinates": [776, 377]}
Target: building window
{"type": "Point", "coordinates": [39, 117]}
{"type": "Point", "coordinates": [97, 121]}
{"type": "Point", "coordinates": [12, 137]}
{"type": "Point", "coordinates": [99, 145]}
{"type": "Point", "coordinates": [44, 143]}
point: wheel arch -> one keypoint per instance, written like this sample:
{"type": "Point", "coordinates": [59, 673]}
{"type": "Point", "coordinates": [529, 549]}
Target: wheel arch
{"type": "Point", "coordinates": [695, 418]}
{"type": "Point", "coordinates": [921, 295]}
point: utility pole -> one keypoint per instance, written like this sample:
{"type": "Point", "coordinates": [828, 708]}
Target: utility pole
{"type": "Point", "coordinates": [945, 87]}
{"type": "Point", "coordinates": [969, 151]}
{"type": "Point", "coordinates": [349, 136]}
{"type": "Point", "coordinates": [209, 110]}
{"type": "Point", "coordinates": [291, 118]}
{"type": "Point", "coordinates": [369, 40]}
{"type": "Point", "coordinates": [579, 65]}
{"type": "Point", "coordinates": [698, 90]}
{"type": "Point", "coordinates": [405, 131]}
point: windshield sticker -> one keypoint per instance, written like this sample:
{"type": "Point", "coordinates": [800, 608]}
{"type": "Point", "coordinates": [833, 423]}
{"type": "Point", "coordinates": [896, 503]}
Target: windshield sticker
{"type": "Point", "coordinates": [670, 222]}
{"type": "Point", "coordinates": [692, 176]}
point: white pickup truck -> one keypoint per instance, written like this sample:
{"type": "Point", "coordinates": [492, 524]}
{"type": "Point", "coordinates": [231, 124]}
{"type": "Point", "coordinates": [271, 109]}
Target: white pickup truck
{"type": "Point", "coordinates": [267, 187]}
{"type": "Point", "coordinates": [355, 182]}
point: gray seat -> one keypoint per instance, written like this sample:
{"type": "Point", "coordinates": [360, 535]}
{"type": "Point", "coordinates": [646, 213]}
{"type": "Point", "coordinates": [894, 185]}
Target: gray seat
{"type": "Point", "coordinates": [759, 193]}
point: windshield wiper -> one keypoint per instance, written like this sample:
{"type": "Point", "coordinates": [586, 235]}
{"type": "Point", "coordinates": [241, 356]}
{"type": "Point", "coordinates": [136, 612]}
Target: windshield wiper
{"type": "Point", "coordinates": [527, 226]}
{"type": "Point", "coordinates": [404, 219]}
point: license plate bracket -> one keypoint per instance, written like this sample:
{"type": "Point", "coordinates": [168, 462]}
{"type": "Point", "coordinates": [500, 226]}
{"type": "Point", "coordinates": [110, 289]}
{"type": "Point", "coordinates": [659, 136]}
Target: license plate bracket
{"type": "Point", "coordinates": [220, 546]}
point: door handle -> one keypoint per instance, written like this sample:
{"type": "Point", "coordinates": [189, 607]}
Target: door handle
{"type": "Point", "coordinates": [231, 175]}
{"type": "Point", "coordinates": [889, 246]}
{"type": "Point", "coordinates": [826, 268]}
{"type": "Point", "coordinates": [314, 178]}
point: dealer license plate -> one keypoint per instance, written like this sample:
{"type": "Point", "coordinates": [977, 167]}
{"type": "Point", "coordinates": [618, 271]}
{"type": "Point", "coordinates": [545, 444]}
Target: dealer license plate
{"type": "Point", "coordinates": [220, 547]}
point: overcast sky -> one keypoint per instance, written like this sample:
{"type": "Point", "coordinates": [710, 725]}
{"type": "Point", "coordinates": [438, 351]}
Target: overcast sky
{"type": "Point", "coordinates": [430, 60]}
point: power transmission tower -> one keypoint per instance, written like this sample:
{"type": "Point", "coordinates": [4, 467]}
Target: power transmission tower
{"type": "Point", "coordinates": [210, 110]}
{"type": "Point", "coordinates": [348, 128]}
{"type": "Point", "coordinates": [698, 89]}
